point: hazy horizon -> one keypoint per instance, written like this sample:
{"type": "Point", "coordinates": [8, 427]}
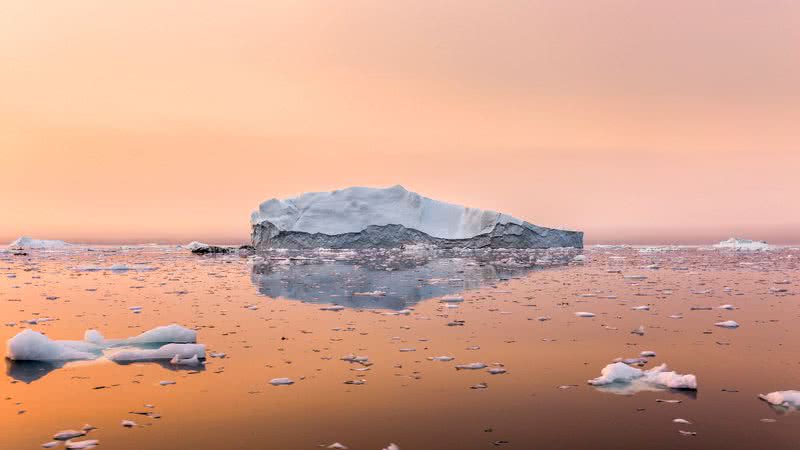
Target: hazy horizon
{"type": "Point", "coordinates": [634, 122]}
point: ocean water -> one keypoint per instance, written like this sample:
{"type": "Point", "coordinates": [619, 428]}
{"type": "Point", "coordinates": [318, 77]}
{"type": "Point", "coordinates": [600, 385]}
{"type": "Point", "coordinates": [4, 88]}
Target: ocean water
{"type": "Point", "coordinates": [272, 318]}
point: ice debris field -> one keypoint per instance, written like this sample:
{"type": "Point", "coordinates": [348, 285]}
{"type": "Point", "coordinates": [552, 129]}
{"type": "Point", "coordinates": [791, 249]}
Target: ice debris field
{"type": "Point", "coordinates": [130, 346]}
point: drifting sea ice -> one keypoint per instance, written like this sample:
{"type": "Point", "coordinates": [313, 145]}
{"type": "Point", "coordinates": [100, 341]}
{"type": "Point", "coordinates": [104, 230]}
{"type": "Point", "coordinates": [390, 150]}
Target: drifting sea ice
{"type": "Point", "coordinates": [787, 399]}
{"type": "Point", "coordinates": [727, 324]}
{"type": "Point", "coordinates": [639, 380]}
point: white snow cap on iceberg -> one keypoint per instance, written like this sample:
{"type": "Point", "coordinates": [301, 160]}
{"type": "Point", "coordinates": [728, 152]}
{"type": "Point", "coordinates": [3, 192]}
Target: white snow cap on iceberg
{"type": "Point", "coordinates": [656, 377]}
{"type": "Point", "coordinates": [353, 209]}
{"type": "Point", "coordinates": [170, 333]}
{"type": "Point", "coordinates": [29, 243]}
{"type": "Point", "coordinates": [29, 345]}
{"type": "Point", "coordinates": [743, 245]}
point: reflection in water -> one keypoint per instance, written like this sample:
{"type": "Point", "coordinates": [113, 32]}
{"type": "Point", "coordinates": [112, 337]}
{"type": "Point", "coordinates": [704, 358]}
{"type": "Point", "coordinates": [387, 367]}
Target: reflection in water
{"type": "Point", "coordinates": [636, 387]}
{"type": "Point", "coordinates": [381, 283]}
{"type": "Point", "coordinates": [30, 371]}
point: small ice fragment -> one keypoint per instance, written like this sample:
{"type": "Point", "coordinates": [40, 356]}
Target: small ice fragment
{"type": "Point", "coordinates": [726, 306]}
{"type": "Point", "coordinates": [68, 434]}
{"type": "Point", "coordinates": [441, 358]}
{"type": "Point", "coordinates": [496, 370]}
{"type": "Point", "coordinates": [639, 331]}
{"type": "Point", "coordinates": [82, 445]}
{"type": "Point", "coordinates": [280, 382]}
{"type": "Point", "coordinates": [369, 294]}
{"type": "Point", "coordinates": [687, 433]}
{"type": "Point", "coordinates": [332, 308]}
{"type": "Point", "coordinates": [543, 318]}
{"type": "Point", "coordinates": [451, 299]}
{"type": "Point", "coordinates": [166, 383]}
{"type": "Point", "coordinates": [641, 308]}
{"type": "Point", "coordinates": [93, 336]}
{"type": "Point", "coordinates": [338, 446]}
{"type": "Point", "coordinates": [392, 447]}
{"type": "Point", "coordinates": [727, 324]}
{"type": "Point", "coordinates": [584, 314]}
{"type": "Point", "coordinates": [50, 444]}
{"type": "Point", "coordinates": [471, 366]}
{"type": "Point", "coordinates": [479, 386]}
{"type": "Point", "coordinates": [683, 421]}
{"type": "Point", "coordinates": [128, 423]}
{"type": "Point", "coordinates": [647, 354]}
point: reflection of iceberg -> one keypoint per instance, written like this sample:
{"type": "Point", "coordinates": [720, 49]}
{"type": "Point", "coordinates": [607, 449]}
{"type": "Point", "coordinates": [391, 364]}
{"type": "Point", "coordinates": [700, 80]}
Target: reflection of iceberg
{"type": "Point", "coordinates": [30, 371]}
{"type": "Point", "coordinates": [401, 282]}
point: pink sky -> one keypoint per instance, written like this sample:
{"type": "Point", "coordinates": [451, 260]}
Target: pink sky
{"type": "Point", "coordinates": [632, 121]}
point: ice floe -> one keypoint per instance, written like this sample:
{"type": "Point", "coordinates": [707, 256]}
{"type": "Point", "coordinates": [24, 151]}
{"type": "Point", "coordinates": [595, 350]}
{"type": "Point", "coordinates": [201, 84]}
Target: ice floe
{"type": "Point", "coordinates": [29, 345]}
{"type": "Point", "coordinates": [786, 399]}
{"type": "Point", "coordinates": [26, 242]}
{"type": "Point", "coordinates": [640, 380]}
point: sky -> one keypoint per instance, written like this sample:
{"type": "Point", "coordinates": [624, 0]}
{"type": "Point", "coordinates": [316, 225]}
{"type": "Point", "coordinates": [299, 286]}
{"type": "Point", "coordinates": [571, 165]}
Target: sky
{"type": "Point", "coordinates": [169, 121]}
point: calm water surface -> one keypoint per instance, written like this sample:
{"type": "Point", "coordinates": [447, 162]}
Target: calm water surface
{"type": "Point", "coordinates": [267, 319]}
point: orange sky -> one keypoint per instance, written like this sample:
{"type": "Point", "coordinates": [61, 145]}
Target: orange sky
{"type": "Point", "coordinates": [168, 120]}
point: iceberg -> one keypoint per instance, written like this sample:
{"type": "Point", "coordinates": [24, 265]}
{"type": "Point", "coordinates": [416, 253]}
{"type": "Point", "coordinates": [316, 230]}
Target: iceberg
{"type": "Point", "coordinates": [26, 242]}
{"type": "Point", "coordinates": [743, 245]}
{"type": "Point", "coordinates": [362, 217]}
{"type": "Point", "coordinates": [31, 345]}
{"type": "Point", "coordinates": [641, 380]}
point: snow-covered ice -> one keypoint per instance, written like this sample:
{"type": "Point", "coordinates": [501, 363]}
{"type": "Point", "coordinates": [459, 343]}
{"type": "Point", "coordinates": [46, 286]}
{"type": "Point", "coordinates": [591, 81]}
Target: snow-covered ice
{"type": "Point", "coordinates": [658, 376]}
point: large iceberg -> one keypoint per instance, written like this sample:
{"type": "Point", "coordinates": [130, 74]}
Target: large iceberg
{"type": "Point", "coordinates": [26, 242]}
{"type": "Point", "coordinates": [743, 245]}
{"type": "Point", "coordinates": [362, 217]}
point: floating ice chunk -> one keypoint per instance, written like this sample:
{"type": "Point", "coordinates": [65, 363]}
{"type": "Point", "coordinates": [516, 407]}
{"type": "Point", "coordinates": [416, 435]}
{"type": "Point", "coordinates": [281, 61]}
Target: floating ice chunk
{"type": "Point", "coordinates": [787, 399]}
{"type": "Point", "coordinates": [647, 354]}
{"type": "Point", "coordinates": [370, 294]}
{"type": "Point", "coordinates": [727, 324]}
{"type": "Point", "coordinates": [471, 366]}
{"type": "Point", "coordinates": [639, 331]}
{"type": "Point", "coordinates": [26, 242]}
{"type": "Point", "coordinates": [441, 358]}
{"type": "Point", "coordinates": [280, 382]}
{"type": "Point", "coordinates": [687, 433]}
{"type": "Point", "coordinates": [683, 421]}
{"type": "Point", "coordinates": [178, 361]}
{"type": "Point", "coordinates": [29, 345]}
{"type": "Point", "coordinates": [165, 352]}
{"type": "Point", "coordinates": [165, 334]}
{"type": "Point", "coordinates": [82, 445]}
{"type": "Point", "coordinates": [68, 434]}
{"type": "Point", "coordinates": [496, 371]}
{"type": "Point", "coordinates": [392, 447]}
{"type": "Point", "coordinates": [128, 423]}
{"type": "Point", "coordinates": [166, 382]}
{"type": "Point", "coordinates": [451, 299]}
{"type": "Point", "coordinates": [332, 308]}
{"type": "Point", "coordinates": [338, 446]}
{"type": "Point", "coordinates": [584, 314]}
{"type": "Point", "coordinates": [51, 444]}
{"type": "Point", "coordinates": [726, 306]}
{"type": "Point", "coordinates": [641, 308]}
{"type": "Point", "coordinates": [655, 377]}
